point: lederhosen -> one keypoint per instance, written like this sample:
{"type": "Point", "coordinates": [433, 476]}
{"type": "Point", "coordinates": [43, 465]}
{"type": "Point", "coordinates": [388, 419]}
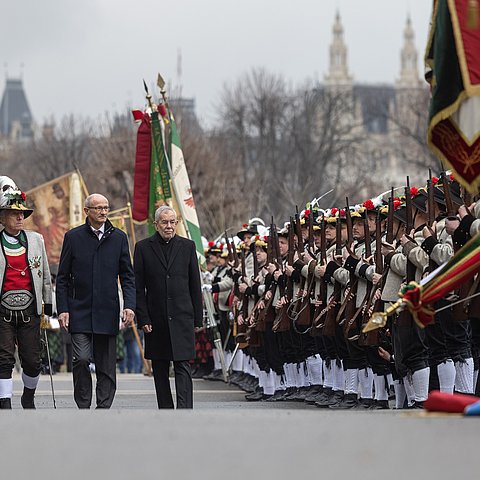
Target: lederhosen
{"type": "Point", "coordinates": [19, 320]}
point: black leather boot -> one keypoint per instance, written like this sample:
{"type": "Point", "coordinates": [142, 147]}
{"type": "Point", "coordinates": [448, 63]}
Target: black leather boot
{"type": "Point", "coordinates": [5, 403]}
{"type": "Point", "coordinates": [349, 401]}
{"type": "Point", "coordinates": [380, 405]}
{"type": "Point", "coordinates": [27, 398]}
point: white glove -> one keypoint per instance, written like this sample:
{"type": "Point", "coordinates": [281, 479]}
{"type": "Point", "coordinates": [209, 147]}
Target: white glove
{"type": "Point", "coordinates": [207, 287]}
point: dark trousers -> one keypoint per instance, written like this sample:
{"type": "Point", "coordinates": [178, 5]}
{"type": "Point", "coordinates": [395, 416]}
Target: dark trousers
{"type": "Point", "coordinates": [183, 383]}
{"type": "Point", "coordinates": [21, 328]}
{"type": "Point", "coordinates": [102, 350]}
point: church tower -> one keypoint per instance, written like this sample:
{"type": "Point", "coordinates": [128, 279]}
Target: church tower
{"type": "Point", "coordinates": [408, 60]}
{"type": "Point", "coordinates": [16, 121]}
{"type": "Point", "coordinates": [338, 75]}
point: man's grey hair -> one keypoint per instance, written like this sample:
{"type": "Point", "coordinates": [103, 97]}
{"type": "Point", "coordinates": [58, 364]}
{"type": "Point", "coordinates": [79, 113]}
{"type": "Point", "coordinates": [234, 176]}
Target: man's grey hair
{"type": "Point", "coordinates": [89, 200]}
{"type": "Point", "coordinates": [162, 209]}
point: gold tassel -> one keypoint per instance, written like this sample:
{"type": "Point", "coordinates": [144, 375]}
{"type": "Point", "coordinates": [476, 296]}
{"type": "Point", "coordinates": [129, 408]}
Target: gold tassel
{"type": "Point", "coordinates": [472, 14]}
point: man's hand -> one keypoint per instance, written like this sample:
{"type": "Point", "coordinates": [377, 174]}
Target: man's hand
{"type": "Point", "coordinates": [451, 224]}
{"type": "Point", "coordinates": [289, 270]}
{"type": "Point", "coordinates": [384, 354]}
{"type": "Point", "coordinates": [64, 320]}
{"type": "Point", "coordinates": [429, 231]}
{"type": "Point", "coordinates": [376, 277]}
{"type": "Point", "coordinates": [127, 317]}
{"type": "Point", "coordinates": [277, 275]}
{"type": "Point", "coordinates": [271, 268]}
{"type": "Point", "coordinates": [464, 211]}
{"type": "Point", "coordinates": [268, 295]}
{"type": "Point", "coordinates": [147, 328]}
{"type": "Point", "coordinates": [320, 271]}
{"type": "Point", "coordinates": [386, 249]}
{"type": "Point", "coordinates": [242, 288]}
{"type": "Point", "coordinates": [407, 238]}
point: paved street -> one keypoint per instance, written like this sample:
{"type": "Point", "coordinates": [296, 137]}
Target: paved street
{"type": "Point", "coordinates": [226, 438]}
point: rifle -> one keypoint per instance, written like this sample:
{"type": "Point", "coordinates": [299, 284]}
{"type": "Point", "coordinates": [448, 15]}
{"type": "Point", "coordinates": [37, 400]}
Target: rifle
{"type": "Point", "coordinates": [334, 303]}
{"type": "Point", "coordinates": [451, 210]}
{"type": "Point", "coordinates": [299, 309]}
{"type": "Point", "coordinates": [229, 248]}
{"type": "Point", "coordinates": [241, 330]}
{"type": "Point", "coordinates": [265, 315]}
{"type": "Point", "coordinates": [253, 337]}
{"type": "Point", "coordinates": [282, 320]}
{"type": "Point", "coordinates": [391, 206]}
{"type": "Point", "coordinates": [350, 301]}
{"type": "Point", "coordinates": [404, 317]}
{"type": "Point", "coordinates": [431, 216]}
{"type": "Point", "coordinates": [310, 244]}
{"type": "Point", "coordinates": [372, 337]}
{"type": "Point", "coordinates": [320, 310]}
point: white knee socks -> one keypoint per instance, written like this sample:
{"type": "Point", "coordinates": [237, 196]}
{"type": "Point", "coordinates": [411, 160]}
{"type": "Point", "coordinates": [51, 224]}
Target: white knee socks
{"type": "Point", "coordinates": [464, 377]}
{"type": "Point", "coordinates": [365, 379]}
{"type": "Point", "coordinates": [351, 380]}
{"type": "Point", "coordinates": [381, 392]}
{"type": "Point", "coordinates": [30, 382]}
{"type": "Point", "coordinates": [420, 380]}
{"type": "Point", "coordinates": [314, 365]}
{"type": "Point", "coordinates": [6, 387]}
{"type": "Point", "coordinates": [446, 376]}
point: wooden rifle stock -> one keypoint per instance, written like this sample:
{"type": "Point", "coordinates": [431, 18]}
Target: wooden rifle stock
{"type": "Point", "coordinates": [320, 310]}
{"type": "Point", "coordinates": [391, 208]}
{"type": "Point", "coordinates": [451, 210]}
{"type": "Point", "coordinates": [334, 302]}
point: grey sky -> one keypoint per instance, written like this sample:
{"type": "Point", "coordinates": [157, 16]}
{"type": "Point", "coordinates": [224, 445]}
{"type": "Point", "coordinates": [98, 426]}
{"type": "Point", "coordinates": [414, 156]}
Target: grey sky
{"type": "Point", "coordinates": [88, 57]}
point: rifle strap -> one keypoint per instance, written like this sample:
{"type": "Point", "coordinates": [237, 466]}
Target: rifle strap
{"type": "Point", "coordinates": [351, 294]}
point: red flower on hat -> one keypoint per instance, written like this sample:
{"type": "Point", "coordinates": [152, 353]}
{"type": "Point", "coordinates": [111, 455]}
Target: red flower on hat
{"type": "Point", "coordinates": [368, 204]}
{"type": "Point", "coordinates": [414, 191]}
{"type": "Point", "coordinates": [221, 245]}
{"type": "Point", "coordinates": [211, 244]}
{"type": "Point", "coordinates": [334, 211]}
{"type": "Point", "coordinates": [342, 212]}
{"type": "Point", "coordinates": [396, 203]}
{"type": "Point", "coordinates": [265, 238]}
{"type": "Point", "coordinates": [307, 213]}
{"type": "Point", "coordinates": [245, 225]}
{"type": "Point", "coordinates": [452, 178]}
{"type": "Point", "coordinates": [434, 180]}
{"type": "Point", "coordinates": [24, 197]}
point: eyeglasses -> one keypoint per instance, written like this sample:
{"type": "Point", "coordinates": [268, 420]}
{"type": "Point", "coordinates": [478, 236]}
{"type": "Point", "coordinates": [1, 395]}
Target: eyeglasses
{"type": "Point", "coordinates": [167, 222]}
{"type": "Point", "coordinates": [100, 209]}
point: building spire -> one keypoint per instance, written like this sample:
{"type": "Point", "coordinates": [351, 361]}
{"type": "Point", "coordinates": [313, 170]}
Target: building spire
{"type": "Point", "coordinates": [409, 59]}
{"type": "Point", "coordinates": [338, 73]}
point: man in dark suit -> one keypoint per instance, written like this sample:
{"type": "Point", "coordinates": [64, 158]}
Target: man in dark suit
{"type": "Point", "coordinates": [169, 306]}
{"type": "Point", "coordinates": [94, 256]}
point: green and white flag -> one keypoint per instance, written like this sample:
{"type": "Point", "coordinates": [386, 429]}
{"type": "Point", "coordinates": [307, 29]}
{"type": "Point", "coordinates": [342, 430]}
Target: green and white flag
{"type": "Point", "coordinates": [183, 190]}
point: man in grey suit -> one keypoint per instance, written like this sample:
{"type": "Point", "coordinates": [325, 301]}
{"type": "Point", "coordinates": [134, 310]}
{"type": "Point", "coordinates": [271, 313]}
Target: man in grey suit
{"type": "Point", "coordinates": [169, 306]}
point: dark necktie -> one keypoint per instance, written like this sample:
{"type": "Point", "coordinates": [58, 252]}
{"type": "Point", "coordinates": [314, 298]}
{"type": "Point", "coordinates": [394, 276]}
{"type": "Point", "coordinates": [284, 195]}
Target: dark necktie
{"type": "Point", "coordinates": [98, 233]}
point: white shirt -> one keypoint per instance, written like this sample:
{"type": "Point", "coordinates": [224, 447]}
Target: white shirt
{"type": "Point", "coordinates": [101, 230]}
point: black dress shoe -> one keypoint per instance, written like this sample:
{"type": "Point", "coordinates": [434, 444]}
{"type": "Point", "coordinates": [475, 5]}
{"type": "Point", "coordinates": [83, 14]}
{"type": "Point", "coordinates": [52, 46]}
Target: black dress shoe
{"type": "Point", "coordinates": [365, 402]}
{"type": "Point", "coordinates": [380, 405]}
{"type": "Point", "coordinates": [277, 396]}
{"type": "Point", "coordinates": [27, 399]}
{"type": "Point", "coordinates": [5, 403]}
{"type": "Point", "coordinates": [313, 394]}
{"type": "Point", "coordinates": [416, 406]}
{"type": "Point", "coordinates": [215, 375]}
{"type": "Point", "coordinates": [329, 397]}
{"type": "Point", "coordinates": [349, 401]}
{"type": "Point", "coordinates": [256, 396]}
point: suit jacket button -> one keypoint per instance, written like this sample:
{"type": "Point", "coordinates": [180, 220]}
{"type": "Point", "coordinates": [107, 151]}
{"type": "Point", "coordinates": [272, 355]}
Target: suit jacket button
{"type": "Point", "coordinates": [169, 318]}
{"type": "Point", "coordinates": [168, 276]}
